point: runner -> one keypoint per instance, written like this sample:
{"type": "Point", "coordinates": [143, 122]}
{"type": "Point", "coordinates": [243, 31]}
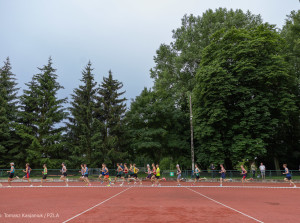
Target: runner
{"type": "Point", "coordinates": [135, 172]}
{"type": "Point", "coordinates": [223, 175]}
{"type": "Point", "coordinates": [64, 174]}
{"type": "Point", "coordinates": [153, 178]}
{"type": "Point", "coordinates": [197, 175]}
{"type": "Point", "coordinates": [148, 172]}
{"type": "Point", "coordinates": [86, 175]}
{"type": "Point", "coordinates": [27, 174]}
{"type": "Point", "coordinates": [81, 178]}
{"type": "Point", "coordinates": [106, 175]}
{"type": "Point", "coordinates": [11, 174]}
{"type": "Point", "coordinates": [45, 174]}
{"type": "Point", "coordinates": [288, 176]}
{"type": "Point", "coordinates": [119, 173]}
{"type": "Point", "coordinates": [125, 174]}
{"type": "Point", "coordinates": [102, 175]}
{"type": "Point", "coordinates": [158, 179]}
{"type": "Point", "coordinates": [131, 174]}
{"type": "Point", "coordinates": [244, 174]}
{"type": "Point", "coordinates": [178, 173]}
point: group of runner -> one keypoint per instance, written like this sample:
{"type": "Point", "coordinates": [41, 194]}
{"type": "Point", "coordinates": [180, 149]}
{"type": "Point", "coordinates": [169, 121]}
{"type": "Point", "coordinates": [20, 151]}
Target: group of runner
{"type": "Point", "coordinates": [287, 173]}
{"type": "Point", "coordinates": [129, 174]}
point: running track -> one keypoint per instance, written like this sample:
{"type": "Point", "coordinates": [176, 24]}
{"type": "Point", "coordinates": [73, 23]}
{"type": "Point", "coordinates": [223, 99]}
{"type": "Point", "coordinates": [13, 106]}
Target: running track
{"type": "Point", "coordinates": [151, 204]}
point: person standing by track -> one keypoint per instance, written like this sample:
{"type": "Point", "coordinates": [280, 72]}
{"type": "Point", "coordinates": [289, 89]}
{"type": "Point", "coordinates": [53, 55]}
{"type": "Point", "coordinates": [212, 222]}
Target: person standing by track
{"type": "Point", "coordinates": [262, 169]}
{"type": "Point", "coordinates": [253, 169]}
{"type": "Point", "coordinates": [178, 173]}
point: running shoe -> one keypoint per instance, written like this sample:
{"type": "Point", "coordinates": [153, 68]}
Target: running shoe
{"type": "Point", "coordinates": [108, 185]}
{"type": "Point", "coordinates": [164, 179]}
{"type": "Point", "coordinates": [17, 177]}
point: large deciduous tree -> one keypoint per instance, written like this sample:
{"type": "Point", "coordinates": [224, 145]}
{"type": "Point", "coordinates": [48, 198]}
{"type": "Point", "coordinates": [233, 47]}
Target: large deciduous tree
{"type": "Point", "coordinates": [243, 98]}
{"type": "Point", "coordinates": [156, 129]}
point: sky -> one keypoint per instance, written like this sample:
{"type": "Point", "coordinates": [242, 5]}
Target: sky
{"type": "Point", "coordinates": [117, 35]}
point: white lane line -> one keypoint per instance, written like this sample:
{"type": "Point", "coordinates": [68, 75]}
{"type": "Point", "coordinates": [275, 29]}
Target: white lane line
{"type": "Point", "coordinates": [96, 205]}
{"type": "Point", "coordinates": [225, 205]}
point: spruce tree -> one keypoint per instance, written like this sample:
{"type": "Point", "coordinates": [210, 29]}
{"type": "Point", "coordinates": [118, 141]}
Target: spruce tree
{"type": "Point", "coordinates": [110, 111]}
{"type": "Point", "coordinates": [8, 113]}
{"type": "Point", "coordinates": [41, 117]}
{"type": "Point", "coordinates": [83, 135]}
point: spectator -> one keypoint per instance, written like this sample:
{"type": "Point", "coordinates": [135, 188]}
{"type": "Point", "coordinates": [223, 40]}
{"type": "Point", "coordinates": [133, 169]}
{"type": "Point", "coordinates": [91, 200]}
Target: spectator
{"type": "Point", "coordinates": [212, 169]}
{"type": "Point", "coordinates": [262, 169]}
{"type": "Point", "coordinates": [253, 169]}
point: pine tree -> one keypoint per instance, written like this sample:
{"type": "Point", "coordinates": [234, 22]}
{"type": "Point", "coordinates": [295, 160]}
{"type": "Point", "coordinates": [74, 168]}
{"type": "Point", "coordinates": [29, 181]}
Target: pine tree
{"type": "Point", "coordinates": [83, 135]}
{"type": "Point", "coordinates": [110, 111]}
{"type": "Point", "coordinates": [41, 117]}
{"type": "Point", "coordinates": [8, 114]}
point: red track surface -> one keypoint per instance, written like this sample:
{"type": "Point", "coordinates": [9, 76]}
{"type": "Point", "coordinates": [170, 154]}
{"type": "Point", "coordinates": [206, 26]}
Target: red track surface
{"type": "Point", "coordinates": [147, 204]}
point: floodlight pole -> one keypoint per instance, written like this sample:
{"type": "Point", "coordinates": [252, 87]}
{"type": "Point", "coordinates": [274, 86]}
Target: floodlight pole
{"type": "Point", "coordinates": [192, 134]}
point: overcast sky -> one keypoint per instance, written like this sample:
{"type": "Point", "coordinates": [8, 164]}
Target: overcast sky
{"type": "Point", "coordinates": [121, 35]}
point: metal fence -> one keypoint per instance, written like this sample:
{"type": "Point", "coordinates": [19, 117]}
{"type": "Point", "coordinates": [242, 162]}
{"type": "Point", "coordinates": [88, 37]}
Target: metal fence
{"type": "Point", "coordinates": [94, 172]}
